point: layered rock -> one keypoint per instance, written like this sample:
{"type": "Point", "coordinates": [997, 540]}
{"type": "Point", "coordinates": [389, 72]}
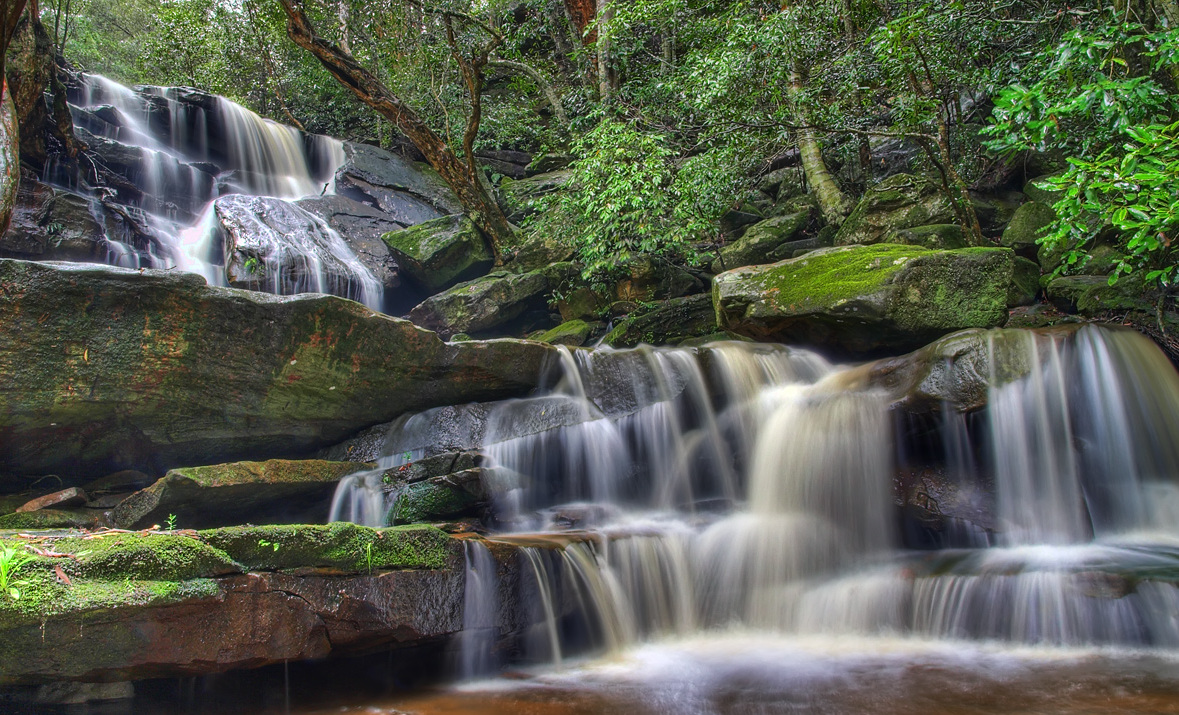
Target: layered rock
{"type": "Point", "coordinates": [668, 323]}
{"type": "Point", "coordinates": [899, 202]}
{"type": "Point", "coordinates": [761, 240]}
{"type": "Point", "coordinates": [277, 491]}
{"type": "Point", "coordinates": [859, 299]}
{"type": "Point", "coordinates": [104, 369]}
{"type": "Point", "coordinates": [440, 253]}
{"type": "Point", "coordinates": [489, 303]}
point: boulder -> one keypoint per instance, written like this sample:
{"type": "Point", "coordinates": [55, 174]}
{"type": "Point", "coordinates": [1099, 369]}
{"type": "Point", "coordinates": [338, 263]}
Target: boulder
{"type": "Point", "coordinates": [859, 299]}
{"type": "Point", "coordinates": [103, 369]}
{"type": "Point", "coordinates": [899, 202]}
{"type": "Point", "coordinates": [277, 491]}
{"type": "Point", "coordinates": [275, 245]}
{"type": "Point", "coordinates": [1025, 283]}
{"type": "Point", "coordinates": [645, 278]}
{"type": "Point", "coordinates": [547, 163]}
{"type": "Point", "coordinates": [440, 253]}
{"type": "Point", "coordinates": [1027, 226]}
{"type": "Point", "coordinates": [361, 227]}
{"type": "Point", "coordinates": [669, 323]}
{"type": "Point", "coordinates": [536, 251]}
{"type": "Point", "coordinates": [409, 193]}
{"type": "Point", "coordinates": [72, 496]}
{"type": "Point", "coordinates": [1093, 295]}
{"type": "Point", "coordinates": [1036, 191]}
{"type": "Point", "coordinates": [942, 236]}
{"type": "Point", "coordinates": [459, 494]}
{"type": "Point", "coordinates": [525, 197]}
{"type": "Point", "coordinates": [572, 332]}
{"type": "Point", "coordinates": [53, 224]}
{"type": "Point", "coordinates": [488, 303]}
{"type": "Point", "coordinates": [760, 240]}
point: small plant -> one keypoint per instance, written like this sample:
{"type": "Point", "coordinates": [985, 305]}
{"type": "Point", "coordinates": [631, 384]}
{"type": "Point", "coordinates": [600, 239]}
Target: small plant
{"type": "Point", "coordinates": [254, 266]}
{"type": "Point", "coordinates": [264, 544]}
{"type": "Point", "coordinates": [170, 525]}
{"type": "Point", "coordinates": [11, 562]}
{"type": "Point", "coordinates": [368, 556]}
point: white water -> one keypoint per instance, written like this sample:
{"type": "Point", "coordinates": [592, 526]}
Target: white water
{"type": "Point", "coordinates": [191, 156]}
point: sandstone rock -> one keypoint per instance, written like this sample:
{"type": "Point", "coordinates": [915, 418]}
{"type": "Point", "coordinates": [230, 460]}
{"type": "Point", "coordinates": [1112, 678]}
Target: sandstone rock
{"type": "Point", "coordinates": [103, 369]}
{"type": "Point", "coordinates": [361, 226]}
{"type": "Point", "coordinates": [857, 299]}
{"type": "Point", "coordinates": [278, 491]}
{"type": "Point", "coordinates": [440, 253]}
{"type": "Point", "coordinates": [53, 224]}
{"type": "Point", "coordinates": [410, 193]}
{"type": "Point", "coordinates": [899, 202]}
{"type": "Point", "coordinates": [460, 494]}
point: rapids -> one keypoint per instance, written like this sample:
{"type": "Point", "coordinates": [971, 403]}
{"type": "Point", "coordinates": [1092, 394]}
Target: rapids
{"type": "Point", "coordinates": [744, 494]}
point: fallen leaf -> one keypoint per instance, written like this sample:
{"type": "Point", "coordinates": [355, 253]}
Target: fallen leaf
{"type": "Point", "coordinates": [61, 575]}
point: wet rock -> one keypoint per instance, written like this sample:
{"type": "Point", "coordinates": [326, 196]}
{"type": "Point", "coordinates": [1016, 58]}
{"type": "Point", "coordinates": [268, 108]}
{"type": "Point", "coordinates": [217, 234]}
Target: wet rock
{"type": "Point", "coordinates": [488, 303]}
{"type": "Point", "coordinates": [440, 253]}
{"type": "Point", "coordinates": [342, 547]}
{"type": "Point", "coordinates": [106, 369]}
{"type": "Point", "coordinates": [669, 323]}
{"type": "Point", "coordinates": [53, 224]}
{"type": "Point", "coordinates": [361, 226]}
{"type": "Point", "coordinates": [942, 236]}
{"type": "Point", "coordinates": [900, 202]}
{"type": "Point", "coordinates": [274, 245]}
{"type": "Point", "coordinates": [646, 279]}
{"type": "Point", "coordinates": [438, 465]}
{"type": "Point", "coordinates": [57, 500]}
{"type": "Point", "coordinates": [1025, 283]}
{"type": "Point", "coordinates": [277, 491]}
{"type": "Point", "coordinates": [857, 299]}
{"type": "Point", "coordinates": [456, 495]}
{"type": "Point", "coordinates": [68, 693]}
{"type": "Point", "coordinates": [52, 519]}
{"type": "Point", "coordinates": [760, 240]}
{"type": "Point", "coordinates": [957, 370]}
{"type": "Point", "coordinates": [1093, 295]}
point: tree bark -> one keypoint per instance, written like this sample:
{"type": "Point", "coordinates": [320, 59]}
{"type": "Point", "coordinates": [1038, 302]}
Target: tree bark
{"type": "Point", "coordinates": [607, 76]}
{"type": "Point", "coordinates": [832, 203]}
{"type": "Point", "coordinates": [550, 94]}
{"type": "Point", "coordinates": [9, 156]}
{"type": "Point", "coordinates": [461, 176]}
{"type": "Point", "coordinates": [10, 14]}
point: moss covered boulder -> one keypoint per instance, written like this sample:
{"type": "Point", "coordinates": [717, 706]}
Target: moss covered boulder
{"type": "Point", "coordinates": [526, 197]}
{"type": "Point", "coordinates": [899, 202]}
{"type": "Point", "coordinates": [859, 299]}
{"type": "Point", "coordinates": [455, 495]}
{"type": "Point", "coordinates": [340, 547]}
{"type": "Point", "coordinates": [939, 236]}
{"type": "Point", "coordinates": [571, 332]}
{"type": "Point", "coordinates": [437, 254]}
{"type": "Point", "coordinates": [492, 302]}
{"type": "Point", "coordinates": [103, 369]}
{"type": "Point", "coordinates": [669, 323]}
{"type": "Point", "coordinates": [760, 241]}
{"type": "Point", "coordinates": [1027, 226]}
{"type": "Point", "coordinates": [277, 491]}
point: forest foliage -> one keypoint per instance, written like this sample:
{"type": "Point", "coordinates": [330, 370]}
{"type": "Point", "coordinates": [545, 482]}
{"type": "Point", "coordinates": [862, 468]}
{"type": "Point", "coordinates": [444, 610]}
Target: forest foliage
{"type": "Point", "coordinates": [673, 109]}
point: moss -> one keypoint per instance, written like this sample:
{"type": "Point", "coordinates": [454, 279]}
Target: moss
{"type": "Point", "coordinates": [340, 545]}
{"type": "Point", "coordinates": [439, 253]}
{"type": "Point", "coordinates": [169, 557]}
{"type": "Point", "coordinates": [48, 519]}
{"type": "Point", "coordinates": [1027, 225]}
{"type": "Point", "coordinates": [669, 322]}
{"type": "Point", "coordinates": [272, 471]}
{"type": "Point", "coordinates": [573, 332]}
{"type": "Point", "coordinates": [437, 499]}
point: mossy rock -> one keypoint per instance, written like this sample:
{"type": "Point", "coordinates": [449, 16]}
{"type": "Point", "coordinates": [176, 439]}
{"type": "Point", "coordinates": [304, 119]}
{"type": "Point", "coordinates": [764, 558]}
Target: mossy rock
{"type": "Point", "coordinates": [581, 302]}
{"type": "Point", "coordinates": [276, 491]}
{"type": "Point", "coordinates": [535, 251]}
{"type": "Point", "coordinates": [461, 494]}
{"type": "Point", "coordinates": [760, 240]}
{"type": "Point", "coordinates": [1025, 283]}
{"type": "Point", "coordinates": [490, 302]}
{"type": "Point", "coordinates": [943, 236]}
{"type": "Point", "coordinates": [106, 368]}
{"type": "Point", "coordinates": [148, 557]}
{"type": "Point", "coordinates": [1044, 195]}
{"type": "Point", "coordinates": [859, 299]}
{"type": "Point", "coordinates": [668, 323]}
{"type": "Point", "coordinates": [573, 332]}
{"type": "Point", "coordinates": [340, 546]}
{"type": "Point", "coordinates": [526, 197]}
{"type": "Point", "coordinates": [899, 202]}
{"type": "Point", "coordinates": [440, 253]}
{"type": "Point", "coordinates": [50, 519]}
{"type": "Point", "coordinates": [1027, 226]}
{"type": "Point", "coordinates": [1093, 295]}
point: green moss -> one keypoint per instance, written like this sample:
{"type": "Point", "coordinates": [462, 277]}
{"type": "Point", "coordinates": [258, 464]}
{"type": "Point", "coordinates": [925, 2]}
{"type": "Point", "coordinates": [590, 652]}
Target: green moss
{"type": "Point", "coordinates": [272, 471]}
{"type": "Point", "coordinates": [573, 332]}
{"type": "Point", "coordinates": [340, 545]}
{"type": "Point", "coordinates": [47, 519]}
{"type": "Point", "coordinates": [168, 557]}
{"type": "Point", "coordinates": [439, 253]}
{"type": "Point", "coordinates": [433, 501]}
{"type": "Point", "coordinates": [830, 277]}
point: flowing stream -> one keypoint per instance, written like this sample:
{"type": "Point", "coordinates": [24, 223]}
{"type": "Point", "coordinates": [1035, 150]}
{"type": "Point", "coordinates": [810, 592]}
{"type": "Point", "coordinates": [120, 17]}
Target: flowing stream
{"type": "Point", "coordinates": [696, 511]}
{"type": "Point", "coordinates": [213, 185]}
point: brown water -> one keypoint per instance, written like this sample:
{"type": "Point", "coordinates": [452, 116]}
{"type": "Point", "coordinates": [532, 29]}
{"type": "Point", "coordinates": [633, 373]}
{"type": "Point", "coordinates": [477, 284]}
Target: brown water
{"type": "Point", "coordinates": [747, 674]}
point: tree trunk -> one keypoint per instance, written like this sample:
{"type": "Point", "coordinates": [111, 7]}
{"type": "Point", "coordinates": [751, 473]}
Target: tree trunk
{"type": "Point", "coordinates": [832, 202]}
{"type": "Point", "coordinates": [550, 94]}
{"type": "Point", "coordinates": [461, 176]}
{"type": "Point", "coordinates": [30, 62]}
{"type": "Point", "coordinates": [9, 156]}
{"type": "Point", "coordinates": [607, 77]}
{"type": "Point", "coordinates": [10, 13]}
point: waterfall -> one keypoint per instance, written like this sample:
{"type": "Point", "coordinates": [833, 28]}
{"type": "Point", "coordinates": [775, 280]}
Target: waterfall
{"type": "Point", "coordinates": [742, 486]}
{"type": "Point", "coordinates": [213, 185]}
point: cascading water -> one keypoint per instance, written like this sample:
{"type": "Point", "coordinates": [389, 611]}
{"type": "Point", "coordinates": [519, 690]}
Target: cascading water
{"type": "Point", "coordinates": [750, 488]}
{"type": "Point", "coordinates": [213, 185]}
